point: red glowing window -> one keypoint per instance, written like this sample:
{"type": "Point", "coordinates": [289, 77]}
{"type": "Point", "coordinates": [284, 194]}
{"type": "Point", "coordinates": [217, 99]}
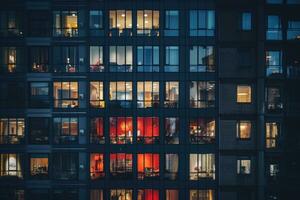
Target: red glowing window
{"type": "Point", "coordinates": [148, 130]}
{"type": "Point", "coordinates": [148, 165]}
{"type": "Point", "coordinates": [120, 129]}
{"type": "Point", "coordinates": [96, 131]}
{"type": "Point", "coordinates": [96, 166]}
{"type": "Point", "coordinates": [148, 194]}
{"type": "Point", "coordinates": [121, 165]}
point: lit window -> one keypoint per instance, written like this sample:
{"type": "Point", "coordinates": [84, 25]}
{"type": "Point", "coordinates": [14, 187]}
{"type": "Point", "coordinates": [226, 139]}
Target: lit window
{"type": "Point", "coordinates": [273, 170]}
{"type": "Point", "coordinates": [121, 165]}
{"type": "Point", "coordinates": [96, 59]}
{"type": "Point", "coordinates": [243, 130]}
{"type": "Point", "coordinates": [243, 166]}
{"type": "Point", "coordinates": [274, 30]}
{"type": "Point", "coordinates": [202, 23]}
{"type": "Point", "coordinates": [125, 194]}
{"type": "Point", "coordinates": [246, 21]}
{"type": "Point", "coordinates": [148, 22]}
{"type": "Point", "coordinates": [96, 166]}
{"type": "Point", "coordinates": [65, 130]}
{"type": "Point", "coordinates": [148, 58]}
{"type": "Point", "coordinates": [120, 23]}
{"type": "Point", "coordinates": [172, 194]}
{"type": "Point", "coordinates": [293, 31]}
{"type": "Point", "coordinates": [39, 130]}
{"type": "Point", "coordinates": [96, 194]}
{"type": "Point", "coordinates": [148, 194]}
{"type": "Point", "coordinates": [65, 94]}
{"type": "Point", "coordinates": [202, 59]}
{"type": "Point", "coordinates": [147, 94]}
{"type": "Point", "coordinates": [202, 166]}
{"type": "Point", "coordinates": [120, 94]}
{"type": "Point", "coordinates": [65, 166]}
{"type": "Point", "coordinates": [172, 130]}
{"type": "Point", "coordinates": [272, 134]}
{"type": "Point", "coordinates": [172, 23]}
{"type": "Point", "coordinates": [39, 59]}
{"type": "Point", "coordinates": [10, 22]}
{"type": "Point", "coordinates": [148, 165]}
{"type": "Point", "coordinates": [244, 93]}
{"type": "Point", "coordinates": [172, 59]}
{"type": "Point", "coordinates": [148, 130]}
{"type": "Point", "coordinates": [171, 94]}
{"type": "Point", "coordinates": [120, 130]}
{"type": "Point", "coordinates": [273, 63]}
{"type": "Point", "coordinates": [39, 94]}
{"type": "Point", "coordinates": [96, 95]}
{"type": "Point", "coordinates": [171, 166]}
{"type": "Point", "coordinates": [97, 131]}
{"type": "Point", "coordinates": [10, 59]}
{"type": "Point", "coordinates": [65, 23]}
{"type": "Point", "coordinates": [11, 165]}
{"type": "Point", "coordinates": [12, 130]}
{"type": "Point", "coordinates": [202, 94]}
{"type": "Point", "coordinates": [273, 99]}
{"type": "Point", "coordinates": [66, 59]}
{"type": "Point", "coordinates": [39, 166]}
{"type": "Point", "coordinates": [202, 195]}
{"type": "Point", "coordinates": [96, 23]}
{"type": "Point", "coordinates": [120, 58]}
{"type": "Point", "coordinates": [202, 131]}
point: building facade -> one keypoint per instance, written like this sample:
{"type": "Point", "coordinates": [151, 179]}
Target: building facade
{"type": "Point", "coordinates": [149, 100]}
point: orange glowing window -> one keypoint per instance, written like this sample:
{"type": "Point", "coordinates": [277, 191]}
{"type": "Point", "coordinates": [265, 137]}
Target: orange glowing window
{"type": "Point", "coordinates": [120, 129]}
{"type": "Point", "coordinates": [148, 165]}
{"type": "Point", "coordinates": [96, 166]}
{"type": "Point", "coordinates": [148, 130]}
{"type": "Point", "coordinates": [148, 194]}
{"type": "Point", "coordinates": [121, 165]}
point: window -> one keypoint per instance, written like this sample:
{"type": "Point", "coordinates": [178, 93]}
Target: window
{"type": "Point", "coordinates": [273, 63]}
{"type": "Point", "coordinates": [202, 130]}
{"type": "Point", "coordinates": [274, 1]}
{"type": "Point", "coordinates": [96, 95]}
{"type": "Point", "coordinates": [97, 130]}
{"type": "Point", "coordinates": [10, 23]}
{"type": "Point", "coordinates": [10, 59]}
{"type": "Point", "coordinates": [172, 194]}
{"type": "Point", "coordinates": [293, 31]}
{"type": "Point", "coordinates": [11, 165]}
{"type": "Point", "coordinates": [273, 99]}
{"type": "Point", "coordinates": [244, 93]}
{"type": "Point", "coordinates": [96, 194]}
{"type": "Point", "coordinates": [148, 165]}
{"type": "Point", "coordinates": [245, 58]}
{"type": "Point", "coordinates": [11, 193]}
{"type": "Point", "coordinates": [243, 166]}
{"type": "Point", "coordinates": [65, 166]}
{"type": "Point", "coordinates": [39, 94]}
{"type": "Point", "coordinates": [147, 94]}
{"type": "Point", "coordinates": [120, 130]}
{"type": "Point", "coordinates": [171, 166]}
{"type": "Point", "coordinates": [202, 195]}
{"type": "Point", "coordinates": [96, 59]}
{"type": "Point", "coordinates": [148, 194]}
{"type": "Point", "coordinates": [39, 25]}
{"type": "Point", "coordinates": [202, 59]}
{"type": "Point", "coordinates": [172, 130]}
{"type": "Point", "coordinates": [172, 59]}
{"type": "Point", "coordinates": [62, 194]}
{"type": "Point", "coordinates": [148, 22]}
{"type": "Point", "coordinates": [148, 130]}
{"type": "Point", "coordinates": [39, 59]}
{"type": "Point", "coordinates": [120, 94]}
{"type": "Point", "coordinates": [96, 23]}
{"type": "Point", "coordinates": [39, 130]}
{"type": "Point", "coordinates": [273, 170]}
{"type": "Point", "coordinates": [202, 166]}
{"type": "Point", "coordinates": [171, 94]}
{"type": "Point", "coordinates": [293, 63]}
{"type": "Point", "coordinates": [120, 194]}
{"type": "Point", "coordinates": [121, 165]}
{"type": "Point", "coordinates": [202, 23]}
{"type": "Point", "coordinates": [272, 134]}
{"type": "Point", "coordinates": [12, 94]}
{"type": "Point", "coordinates": [12, 130]}
{"type": "Point", "coordinates": [274, 31]}
{"type": "Point", "coordinates": [171, 23]}
{"type": "Point", "coordinates": [65, 23]}
{"type": "Point", "coordinates": [96, 166]}
{"type": "Point", "coordinates": [39, 166]}
{"type": "Point", "coordinates": [246, 21]}
{"type": "Point", "coordinates": [36, 194]}
{"type": "Point", "coordinates": [65, 94]}
{"type": "Point", "coordinates": [65, 130]}
{"type": "Point", "coordinates": [148, 58]}
{"type": "Point", "coordinates": [243, 130]}
{"type": "Point", "coordinates": [120, 58]}
{"type": "Point", "coordinates": [66, 59]}
{"type": "Point", "coordinates": [202, 94]}
{"type": "Point", "coordinates": [120, 23]}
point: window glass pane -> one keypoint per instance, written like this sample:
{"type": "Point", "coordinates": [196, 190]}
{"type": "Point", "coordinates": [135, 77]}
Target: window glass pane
{"type": "Point", "coordinates": [246, 21]}
{"type": "Point", "coordinates": [244, 94]}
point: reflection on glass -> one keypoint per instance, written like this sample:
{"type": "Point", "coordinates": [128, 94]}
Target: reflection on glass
{"type": "Point", "coordinates": [120, 58]}
{"type": "Point", "coordinates": [273, 63]}
{"type": "Point", "coordinates": [273, 99]}
{"type": "Point", "coordinates": [172, 130]}
{"type": "Point", "coordinates": [202, 94]}
{"type": "Point", "coordinates": [202, 59]}
{"type": "Point", "coordinates": [147, 58]}
{"type": "Point", "coordinates": [172, 59]}
{"type": "Point", "coordinates": [274, 31]}
{"type": "Point", "coordinates": [39, 59]}
{"type": "Point", "coordinates": [202, 23]}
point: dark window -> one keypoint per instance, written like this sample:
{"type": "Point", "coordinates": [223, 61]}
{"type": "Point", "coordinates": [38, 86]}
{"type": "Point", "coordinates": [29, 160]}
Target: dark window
{"type": "Point", "coordinates": [171, 166]}
{"type": "Point", "coordinates": [39, 130]}
{"type": "Point", "coordinates": [202, 59]}
{"type": "Point", "coordinates": [63, 194]}
{"type": "Point", "coordinates": [246, 21]}
{"type": "Point", "coordinates": [39, 59]}
{"type": "Point", "coordinates": [38, 194]}
{"type": "Point", "coordinates": [202, 94]}
{"type": "Point", "coordinates": [121, 165]}
{"type": "Point", "coordinates": [171, 23]}
{"type": "Point", "coordinates": [97, 131]}
{"type": "Point", "coordinates": [12, 130]}
{"type": "Point", "coordinates": [96, 23]}
{"type": "Point", "coordinates": [148, 58]}
{"type": "Point", "coordinates": [39, 25]}
{"type": "Point", "coordinates": [202, 23]}
{"type": "Point", "coordinates": [66, 59]}
{"type": "Point", "coordinates": [10, 23]}
{"type": "Point", "coordinates": [11, 194]}
{"type": "Point", "coordinates": [273, 63]}
{"type": "Point", "coordinates": [65, 166]}
{"type": "Point", "coordinates": [274, 31]}
{"type": "Point", "coordinates": [39, 95]}
{"type": "Point", "coordinates": [12, 95]}
{"type": "Point", "coordinates": [273, 99]}
{"type": "Point", "coordinates": [172, 130]}
{"type": "Point", "coordinates": [275, 1]}
{"type": "Point", "coordinates": [293, 31]}
{"type": "Point", "coordinates": [172, 59]}
{"type": "Point", "coordinates": [65, 130]}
